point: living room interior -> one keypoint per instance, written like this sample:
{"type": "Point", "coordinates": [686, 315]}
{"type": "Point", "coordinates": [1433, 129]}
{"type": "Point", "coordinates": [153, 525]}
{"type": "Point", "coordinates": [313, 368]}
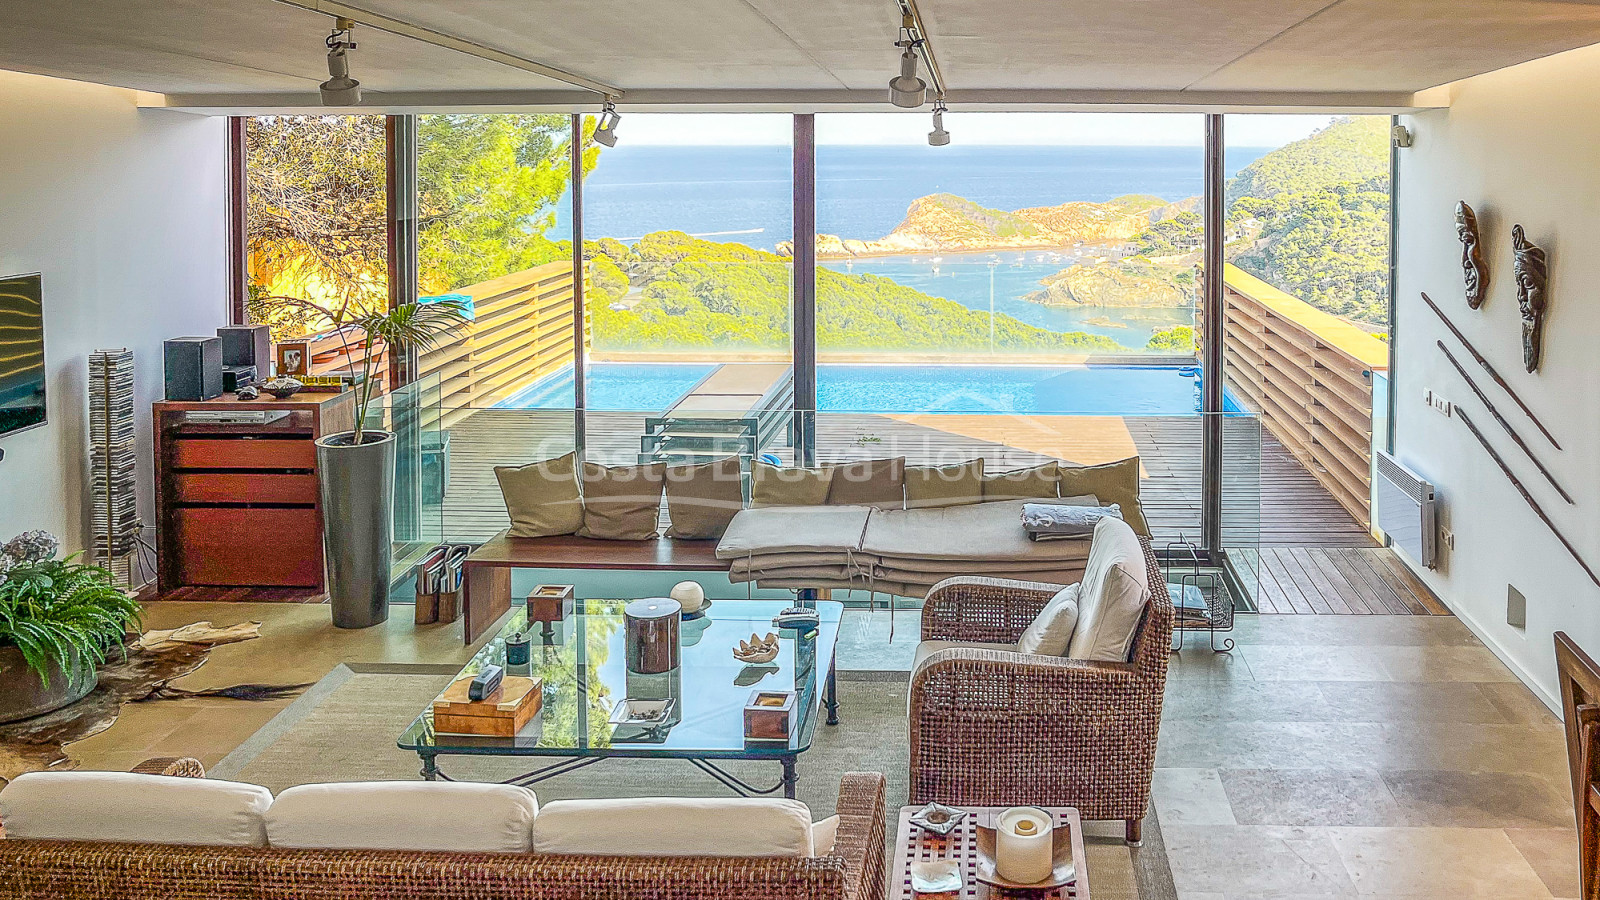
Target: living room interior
{"type": "Point", "coordinates": [583, 450]}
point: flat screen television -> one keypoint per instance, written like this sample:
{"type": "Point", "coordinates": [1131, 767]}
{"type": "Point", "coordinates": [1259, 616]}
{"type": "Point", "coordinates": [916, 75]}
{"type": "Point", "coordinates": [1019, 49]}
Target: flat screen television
{"type": "Point", "coordinates": [21, 352]}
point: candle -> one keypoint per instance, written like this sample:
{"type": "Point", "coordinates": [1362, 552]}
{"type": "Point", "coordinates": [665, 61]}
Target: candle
{"type": "Point", "coordinates": [1024, 845]}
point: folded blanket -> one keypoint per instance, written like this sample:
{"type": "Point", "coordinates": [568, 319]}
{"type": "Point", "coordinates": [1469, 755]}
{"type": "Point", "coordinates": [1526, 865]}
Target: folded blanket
{"type": "Point", "coordinates": [1040, 519]}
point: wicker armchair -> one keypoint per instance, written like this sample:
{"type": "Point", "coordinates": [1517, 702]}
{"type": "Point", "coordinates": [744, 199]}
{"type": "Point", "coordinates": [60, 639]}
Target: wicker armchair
{"type": "Point", "coordinates": [994, 728]}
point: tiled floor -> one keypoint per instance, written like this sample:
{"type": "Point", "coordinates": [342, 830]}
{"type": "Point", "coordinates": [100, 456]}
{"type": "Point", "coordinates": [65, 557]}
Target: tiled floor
{"type": "Point", "coordinates": [1374, 757]}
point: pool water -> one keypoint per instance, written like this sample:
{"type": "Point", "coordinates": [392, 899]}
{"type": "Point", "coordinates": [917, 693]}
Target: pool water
{"type": "Point", "coordinates": [1052, 390]}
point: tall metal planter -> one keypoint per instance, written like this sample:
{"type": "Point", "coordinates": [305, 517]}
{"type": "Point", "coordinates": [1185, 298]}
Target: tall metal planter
{"type": "Point", "coordinates": [358, 524]}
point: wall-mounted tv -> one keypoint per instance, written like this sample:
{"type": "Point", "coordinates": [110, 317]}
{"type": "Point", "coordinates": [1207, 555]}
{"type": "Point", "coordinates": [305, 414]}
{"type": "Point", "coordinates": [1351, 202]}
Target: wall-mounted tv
{"type": "Point", "coordinates": [21, 352]}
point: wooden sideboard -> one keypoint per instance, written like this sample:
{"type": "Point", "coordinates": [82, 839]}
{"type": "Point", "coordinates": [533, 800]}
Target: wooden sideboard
{"type": "Point", "coordinates": [239, 505]}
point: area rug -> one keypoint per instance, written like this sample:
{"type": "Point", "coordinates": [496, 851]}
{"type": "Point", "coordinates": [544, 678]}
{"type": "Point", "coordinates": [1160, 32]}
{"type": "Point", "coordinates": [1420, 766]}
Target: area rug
{"type": "Point", "coordinates": [344, 729]}
{"type": "Point", "coordinates": [143, 671]}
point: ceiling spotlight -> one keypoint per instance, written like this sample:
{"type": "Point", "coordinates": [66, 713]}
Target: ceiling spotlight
{"type": "Point", "coordinates": [906, 90]}
{"type": "Point", "coordinates": [938, 137]}
{"type": "Point", "coordinates": [341, 89]}
{"type": "Point", "coordinates": [606, 132]}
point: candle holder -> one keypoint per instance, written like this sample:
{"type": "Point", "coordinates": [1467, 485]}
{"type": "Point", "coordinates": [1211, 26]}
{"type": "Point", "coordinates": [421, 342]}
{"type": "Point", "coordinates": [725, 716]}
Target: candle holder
{"type": "Point", "coordinates": [1062, 867]}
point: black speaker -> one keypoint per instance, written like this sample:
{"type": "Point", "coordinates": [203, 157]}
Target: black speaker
{"type": "Point", "coordinates": [246, 345]}
{"type": "Point", "coordinates": [194, 368]}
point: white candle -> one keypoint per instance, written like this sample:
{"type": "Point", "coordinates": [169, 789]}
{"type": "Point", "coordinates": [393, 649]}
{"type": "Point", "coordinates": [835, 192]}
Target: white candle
{"type": "Point", "coordinates": [1024, 845]}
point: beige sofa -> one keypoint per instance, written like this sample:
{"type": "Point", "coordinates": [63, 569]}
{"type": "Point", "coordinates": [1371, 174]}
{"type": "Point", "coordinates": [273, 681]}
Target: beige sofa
{"type": "Point", "coordinates": [118, 835]}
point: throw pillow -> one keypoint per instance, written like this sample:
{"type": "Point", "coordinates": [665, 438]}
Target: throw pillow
{"type": "Point", "coordinates": [1050, 632]}
{"type": "Point", "coordinates": [702, 500]}
{"type": "Point", "coordinates": [1036, 483]}
{"type": "Point", "coordinates": [779, 486]}
{"type": "Point", "coordinates": [1116, 482]}
{"type": "Point", "coordinates": [954, 485]}
{"type": "Point", "coordinates": [871, 482]}
{"type": "Point", "coordinates": [622, 503]}
{"type": "Point", "coordinates": [542, 498]}
{"type": "Point", "coordinates": [1112, 595]}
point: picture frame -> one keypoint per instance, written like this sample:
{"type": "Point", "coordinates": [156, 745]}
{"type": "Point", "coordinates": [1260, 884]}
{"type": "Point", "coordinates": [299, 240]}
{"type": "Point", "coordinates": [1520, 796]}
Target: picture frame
{"type": "Point", "coordinates": [293, 357]}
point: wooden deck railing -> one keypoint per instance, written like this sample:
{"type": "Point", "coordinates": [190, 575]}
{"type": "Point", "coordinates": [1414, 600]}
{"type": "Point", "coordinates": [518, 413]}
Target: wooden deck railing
{"type": "Point", "coordinates": [1309, 376]}
{"type": "Point", "coordinates": [522, 330]}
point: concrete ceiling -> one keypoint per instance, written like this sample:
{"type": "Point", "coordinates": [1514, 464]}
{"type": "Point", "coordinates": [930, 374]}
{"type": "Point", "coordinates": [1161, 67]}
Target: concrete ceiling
{"type": "Point", "coordinates": [812, 53]}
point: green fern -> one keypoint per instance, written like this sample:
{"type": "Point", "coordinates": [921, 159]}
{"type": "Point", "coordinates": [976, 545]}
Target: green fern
{"type": "Point", "coordinates": [62, 614]}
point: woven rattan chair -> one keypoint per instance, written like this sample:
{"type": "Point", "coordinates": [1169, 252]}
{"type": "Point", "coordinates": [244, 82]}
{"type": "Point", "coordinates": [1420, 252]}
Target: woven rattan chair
{"type": "Point", "coordinates": [66, 870]}
{"type": "Point", "coordinates": [996, 728]}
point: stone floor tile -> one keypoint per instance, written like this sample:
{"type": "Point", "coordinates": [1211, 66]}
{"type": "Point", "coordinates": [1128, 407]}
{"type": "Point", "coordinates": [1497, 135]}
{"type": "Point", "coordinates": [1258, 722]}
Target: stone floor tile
{"type": "Point", "coordinates": [1312, 662]}
{"type": "Point", "coordinates": [1517, 749]}
{"type": "Point", "coordinates": [1247, 701]}
{"type": "Point", "coordinates": [1458, 664]}
{"type": "Point", "coordinates": [1479, 800]}
{"type": "Point", "coordinates": [1282, 745]}
{"type": "Point", "coordinates": [1353, 631]}
{"type": "Point", "coordinates": [1190, 797]}
{"type": "Point", "coordinates": [1241, 859]}
{"type": "Point", "coordinates": [1195, 665]}
{"type": "Point", "coordinates": [1459, 863]}
{"type": "Point", "coordinates": [1399, 701]}
{"type": "Point", "coordinates": [1309, 797]}
{"type": "Point", "coordinates": [1553, 853]}
{"type": "Point", "coordinates": [1520, 704]}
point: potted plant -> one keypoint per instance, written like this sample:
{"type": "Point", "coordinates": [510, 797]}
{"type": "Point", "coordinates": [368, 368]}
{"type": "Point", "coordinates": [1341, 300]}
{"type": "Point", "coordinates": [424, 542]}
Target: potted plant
{"type": "Point", "coordinates": [58, 620]}
{"type": "Point", "coordinates": [356, 469]}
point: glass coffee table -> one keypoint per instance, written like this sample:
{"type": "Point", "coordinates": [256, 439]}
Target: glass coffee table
{"type": "Point", "coordinates": [582, 662]}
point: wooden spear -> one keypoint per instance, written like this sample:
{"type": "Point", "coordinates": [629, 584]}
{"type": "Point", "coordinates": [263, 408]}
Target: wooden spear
{"type": "Point", "coordinates": [1537, 510]}
{"type": "Point", "coordinates": [1490, 369]}
{"type": "Point", "coordinates": [1503, 423]}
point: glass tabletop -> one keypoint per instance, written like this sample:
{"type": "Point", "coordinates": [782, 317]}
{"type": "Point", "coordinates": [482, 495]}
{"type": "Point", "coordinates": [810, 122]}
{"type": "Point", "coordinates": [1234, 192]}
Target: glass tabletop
{"type": "Point", "coordinates": [582, 662]}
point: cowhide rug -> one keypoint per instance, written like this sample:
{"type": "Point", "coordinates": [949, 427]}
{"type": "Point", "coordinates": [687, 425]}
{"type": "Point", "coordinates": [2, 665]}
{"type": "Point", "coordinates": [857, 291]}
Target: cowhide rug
{"type": "Point", "coordinates": [144, 673]}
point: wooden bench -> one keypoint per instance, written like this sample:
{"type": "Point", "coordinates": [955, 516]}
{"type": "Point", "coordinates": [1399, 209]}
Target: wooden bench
{"type": "Point", "coordinates": [488, 569]}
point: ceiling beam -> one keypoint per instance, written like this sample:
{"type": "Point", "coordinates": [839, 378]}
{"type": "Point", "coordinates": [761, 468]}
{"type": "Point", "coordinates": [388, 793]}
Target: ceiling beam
{"type": "Point", "coordinates": [803, 101]}
{"type": "Point", "coordinates": [451, 42]}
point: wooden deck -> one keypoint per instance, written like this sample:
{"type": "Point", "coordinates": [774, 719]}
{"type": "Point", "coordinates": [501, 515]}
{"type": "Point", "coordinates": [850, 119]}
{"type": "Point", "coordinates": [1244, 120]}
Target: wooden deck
{"type": "Point", "coordinates": [1269, 499]}
{"type": "Point", "coordinates": [1336, 581]}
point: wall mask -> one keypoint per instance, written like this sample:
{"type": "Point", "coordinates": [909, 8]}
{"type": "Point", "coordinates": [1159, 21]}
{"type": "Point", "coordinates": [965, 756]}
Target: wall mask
{"type": "Point", "coordinates": [1472, 264]}
{"type": "Point", "coordinates": [1531, 269]}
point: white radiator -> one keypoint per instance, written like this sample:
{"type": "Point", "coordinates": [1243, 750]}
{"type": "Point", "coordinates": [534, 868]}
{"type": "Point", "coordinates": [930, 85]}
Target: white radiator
{"type": "Point", "coordinates": [1405, 509]}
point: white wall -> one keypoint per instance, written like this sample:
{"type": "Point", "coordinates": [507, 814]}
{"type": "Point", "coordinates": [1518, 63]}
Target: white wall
{"type": "Point", "coordinates": [124, 213]}
{"type": "Point", "coordinates": [1521, 146]}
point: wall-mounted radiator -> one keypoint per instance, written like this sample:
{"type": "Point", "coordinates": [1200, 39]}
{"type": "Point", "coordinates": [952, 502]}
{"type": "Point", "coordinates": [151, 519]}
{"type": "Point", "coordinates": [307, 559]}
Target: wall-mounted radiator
{"type": "Point", "coordinates": [1405, 509]}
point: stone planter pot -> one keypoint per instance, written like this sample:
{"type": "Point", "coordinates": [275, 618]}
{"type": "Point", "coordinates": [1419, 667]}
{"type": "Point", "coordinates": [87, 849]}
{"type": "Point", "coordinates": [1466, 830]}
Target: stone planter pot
{"type": "Point", "coordinates": [357, 484]}
{"type": "Point", "coordinates": [23, 695]}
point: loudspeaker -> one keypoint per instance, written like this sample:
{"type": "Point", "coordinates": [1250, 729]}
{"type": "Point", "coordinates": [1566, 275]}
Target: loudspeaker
{"type": "Point", "coordinates": [193, 367]}
{"type": "Point", "coordinates": [246, 345]}
{"type": "Point", "coordinates": [235, 377]}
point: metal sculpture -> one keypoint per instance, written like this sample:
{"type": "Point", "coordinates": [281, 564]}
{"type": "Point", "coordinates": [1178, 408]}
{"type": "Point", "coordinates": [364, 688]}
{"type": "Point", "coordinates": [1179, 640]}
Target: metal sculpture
{"type": "Point", "coordinates": [1490, 369]}
{"type": "Point", "coordinates": [1516, 438]}
{"type": "Point", "coordinates": [1475, 270]}
{"type": "Point", "coordinates": [1531, 269]}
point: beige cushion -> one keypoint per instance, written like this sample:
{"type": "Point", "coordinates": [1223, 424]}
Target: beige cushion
{"type": "Point", "coordinates": [404, 815]}
{"type": "Point", "coordinates": [953, 485]}
{"type": "Point", "coordinates": [1116, 482]}
{"type": "Point", "coordinates": [542, 498]}
{"type": "Point", "coordinates": [929, 648]}
{"type": "Point", "coordinates": [689, 826]}
{"type": "Point", "coordinates": [871, 482]}
{"type": "Point", "coordinates": [1050, 632]}
{"type": "Point", "coordinates": [1036, 483]}
{"type": "Point", "coordinates": [779, 486]}
{"type": "Point", "coordinates": [702, 500]}
{"type": "Point", "coordinates": [803, 529]}
{"type": "Point", "coordinates": [1112, 595]}
{"type": "Point", "coordinates": [140, 809]}
{"type": "Point", "coordinates": [622, 503]}
{"type": "Point", "coordinates": [824, 835]}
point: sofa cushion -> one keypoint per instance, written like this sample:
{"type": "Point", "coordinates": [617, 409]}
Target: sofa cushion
{"type": "Point", "coordinates": [788, 486]}
{"type": "Point", "coordinates": [929, 648]}
{"type": "Point", "coordinates": [800, 529]}
{"type": "Point", "coordinates": [622, 503]}
{"type": "Point", "coordinates": [1116, 482]}
{"type": "Point", "coordinates": [953, 485]}
{"type": "Point", "coordinates": [824, 835]}
{"type": "Point", "coordinates": [404, 815]}
{"type": "Point", "coordinates": [870, 482]}
{"type": "Point", "coordinates": [542, 498]}
{"type": "Point", "coordinates": [1038, 482]}
{"type": "Point", "coordinates": [1050, 632]}
{"type": "Point", "coordinates": [702, 500]}
{"type": "Point", "coordinates": [140, 809]}
{"type": "Point", "coordinates": [1112, 595]}
{"type": "Point", "coordinates": [674, 826]}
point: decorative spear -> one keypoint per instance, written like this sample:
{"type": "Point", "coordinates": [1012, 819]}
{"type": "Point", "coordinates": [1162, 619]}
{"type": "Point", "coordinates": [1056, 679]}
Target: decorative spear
{"type": "Point", "coordinates": [1537, 510]}
{"type": "Point", "coordinates": [1503, 423]}
{"type": "Point", "coordinates": [1490, 369]}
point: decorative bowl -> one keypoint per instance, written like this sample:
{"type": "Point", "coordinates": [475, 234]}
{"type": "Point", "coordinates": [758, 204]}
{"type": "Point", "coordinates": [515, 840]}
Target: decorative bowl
{"type": "Point", "coordinates": [283, 387]}
{"type": "Point", "coordinates": [757, 649]}
{"type": "Point", "coordinates": [938, 818]}
{"type": "Point", "coordinates": [642, 712]}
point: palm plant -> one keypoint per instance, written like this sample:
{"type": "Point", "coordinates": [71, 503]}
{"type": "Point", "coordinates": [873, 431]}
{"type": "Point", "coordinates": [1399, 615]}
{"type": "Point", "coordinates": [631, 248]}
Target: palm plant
{"type": "Point", "coordinates": [59, 613]}
{"type": "Point", "coordinates": [418, 326]}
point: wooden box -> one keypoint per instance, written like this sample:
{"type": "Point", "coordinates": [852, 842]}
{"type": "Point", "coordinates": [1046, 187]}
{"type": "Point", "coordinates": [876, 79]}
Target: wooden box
{"type": "Point", "coordinates": [769, 715]}
{"type": "Point", "coordinates": [550, 603]}
{"type": "Point", "coordinates": [503, 714]}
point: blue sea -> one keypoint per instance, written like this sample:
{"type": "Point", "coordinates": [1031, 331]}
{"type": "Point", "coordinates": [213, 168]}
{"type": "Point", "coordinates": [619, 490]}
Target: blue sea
{"type": "Point", "coordinates": [744, 194]}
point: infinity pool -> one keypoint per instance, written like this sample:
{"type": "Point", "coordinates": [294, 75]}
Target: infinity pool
{"type": "Point", "coordinates": [1054, 390]}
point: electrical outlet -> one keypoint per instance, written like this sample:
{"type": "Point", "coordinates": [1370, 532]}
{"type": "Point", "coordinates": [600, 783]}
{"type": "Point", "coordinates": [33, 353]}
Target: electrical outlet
{"type": "Point", "coordinates": [1447, 537]}
{"type": "Point", "coordinates": [1440, 405]}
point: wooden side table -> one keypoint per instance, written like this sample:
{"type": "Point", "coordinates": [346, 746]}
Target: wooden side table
{"type": "Point", "coordinates": [912, 844]}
